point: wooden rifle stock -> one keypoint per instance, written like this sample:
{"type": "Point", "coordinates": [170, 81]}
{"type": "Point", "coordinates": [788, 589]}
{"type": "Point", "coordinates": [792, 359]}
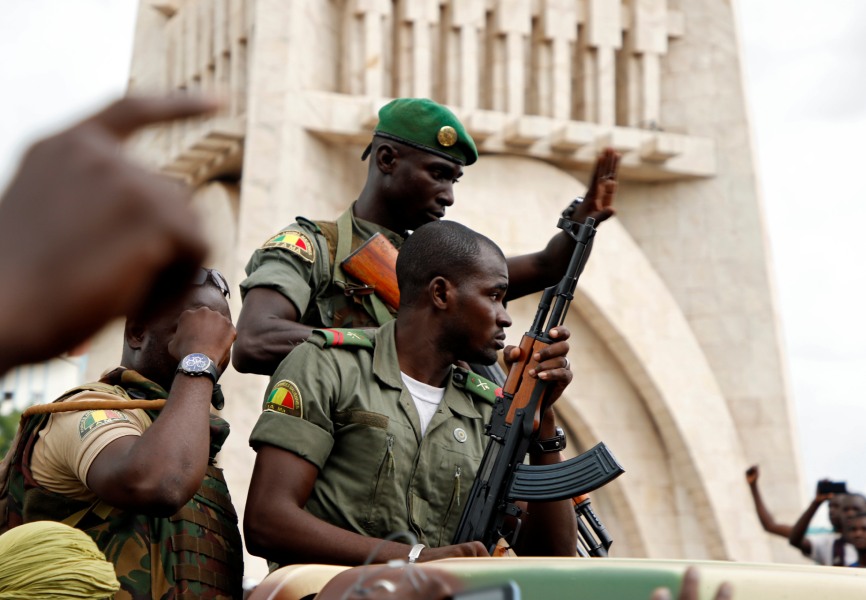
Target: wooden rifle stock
{"type": "Point", "coordinates": [375, 265]}
{"type": "Point", "coordinates": [502, 478]}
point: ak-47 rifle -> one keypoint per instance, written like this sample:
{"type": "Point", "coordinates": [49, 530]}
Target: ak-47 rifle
{"type": "Point", "coordinates": [502, 478]}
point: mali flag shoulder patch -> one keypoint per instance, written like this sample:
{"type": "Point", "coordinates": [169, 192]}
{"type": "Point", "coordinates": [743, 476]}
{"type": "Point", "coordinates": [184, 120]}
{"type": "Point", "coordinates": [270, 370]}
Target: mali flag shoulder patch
{"type": "Point", "coordinates": [286, 398]}
{"type": "Point", "coordinates": [296, 242]}
{"type": "Point", "coordinates": [93, 419]}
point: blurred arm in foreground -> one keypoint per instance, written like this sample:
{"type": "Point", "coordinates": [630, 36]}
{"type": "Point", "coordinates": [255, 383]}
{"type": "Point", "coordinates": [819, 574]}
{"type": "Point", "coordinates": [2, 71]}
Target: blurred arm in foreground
{"type": "Point", "coordinates": [85, 233]}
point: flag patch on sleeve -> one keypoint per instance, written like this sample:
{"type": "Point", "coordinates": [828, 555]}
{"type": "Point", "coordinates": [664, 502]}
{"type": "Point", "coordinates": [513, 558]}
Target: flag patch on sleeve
{"type": "Point", "coordinates": [296, 242]}
{"type": "Point", "coordinates": [93, 419]}
{"type": "Point", "coordinates": [286, 398]}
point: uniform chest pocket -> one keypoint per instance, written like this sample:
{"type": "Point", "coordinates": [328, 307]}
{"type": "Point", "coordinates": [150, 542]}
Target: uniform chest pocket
{"type": "Point", "coordinates": [368, 460]}
{"type": "Point", "coordinates": [457, 470]}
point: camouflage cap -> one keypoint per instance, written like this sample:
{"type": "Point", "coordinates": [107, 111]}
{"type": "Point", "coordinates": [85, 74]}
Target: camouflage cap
{"type": "Point", "coordinates": [428, 126]}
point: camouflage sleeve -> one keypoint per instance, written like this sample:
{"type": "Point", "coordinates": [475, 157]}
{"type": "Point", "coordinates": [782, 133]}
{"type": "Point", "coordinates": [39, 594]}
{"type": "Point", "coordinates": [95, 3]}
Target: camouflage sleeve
{"type": "Point", "coordinates": [293, 262]}
{"type": "Point", "coordinates": [296, 410]}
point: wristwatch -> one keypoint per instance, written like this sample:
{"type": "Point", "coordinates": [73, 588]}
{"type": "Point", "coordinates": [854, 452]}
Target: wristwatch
{"type": "Point", "coordinates": [569, 210]}
{"type": "Point", "coordinates": [197, 365]}
{"type": "Point", "coordinates": [554, 444]}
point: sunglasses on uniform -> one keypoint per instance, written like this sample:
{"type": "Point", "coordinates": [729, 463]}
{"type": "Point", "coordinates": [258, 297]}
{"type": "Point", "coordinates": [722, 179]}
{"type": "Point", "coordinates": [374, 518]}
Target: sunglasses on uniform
{"type": "Point", "coordinates": [201, 276]}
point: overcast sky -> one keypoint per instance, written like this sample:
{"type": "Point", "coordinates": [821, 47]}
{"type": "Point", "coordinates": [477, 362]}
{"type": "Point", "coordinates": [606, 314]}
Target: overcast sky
{"type": "Point", "coordinates": [806, 77]}
{"type": "Point", "coordinates": [805, 66]}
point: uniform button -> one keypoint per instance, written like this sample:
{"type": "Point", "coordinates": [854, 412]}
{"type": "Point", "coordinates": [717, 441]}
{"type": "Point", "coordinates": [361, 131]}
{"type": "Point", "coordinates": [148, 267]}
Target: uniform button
{"type": "Point", "coordinates": [460, 435]}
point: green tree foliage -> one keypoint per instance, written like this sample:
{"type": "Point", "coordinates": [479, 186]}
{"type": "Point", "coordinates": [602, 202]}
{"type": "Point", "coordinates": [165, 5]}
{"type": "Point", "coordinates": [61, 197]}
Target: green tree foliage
{"type": "Point", "coordinates": [8, 427]}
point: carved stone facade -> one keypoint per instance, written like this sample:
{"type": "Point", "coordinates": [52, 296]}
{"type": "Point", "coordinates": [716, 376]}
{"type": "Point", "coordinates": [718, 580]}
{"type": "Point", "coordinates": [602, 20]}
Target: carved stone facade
{"type": "Point", "coordinates": [676, 354]}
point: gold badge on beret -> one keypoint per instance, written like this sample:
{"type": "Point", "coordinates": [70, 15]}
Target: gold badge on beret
{"type": "Point", "coordinates": [447, 136]}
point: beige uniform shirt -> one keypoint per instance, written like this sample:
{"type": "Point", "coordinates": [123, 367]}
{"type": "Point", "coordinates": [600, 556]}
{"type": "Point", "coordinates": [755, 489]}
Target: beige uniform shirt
{"type": "Point", "coordinates": [71, 441]}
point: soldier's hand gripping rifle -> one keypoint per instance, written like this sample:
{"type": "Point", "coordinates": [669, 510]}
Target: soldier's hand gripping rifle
{"type": "Point", "coordinates": [502, 478]}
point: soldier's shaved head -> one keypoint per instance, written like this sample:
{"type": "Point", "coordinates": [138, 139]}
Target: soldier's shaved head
{"type": "Point", "coordinates": [441, 248]}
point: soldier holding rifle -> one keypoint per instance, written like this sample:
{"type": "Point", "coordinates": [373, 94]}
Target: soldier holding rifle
{"type": "Point", "coordinates": [368, 434]}
{"type": "Point", "coordinates": [417, 154]}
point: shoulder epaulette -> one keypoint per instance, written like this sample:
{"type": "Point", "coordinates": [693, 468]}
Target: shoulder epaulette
{"type": "Point", "coordinates": [314, 225]}
{"type": "Point", "coordinates": [346, 338]}
{"type": "Point", "coordinates": [476, 385]}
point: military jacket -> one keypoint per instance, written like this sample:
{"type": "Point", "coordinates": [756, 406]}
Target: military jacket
{"type": "Point", "coordinates": [195, 553]}
{"type": "Point", "coordinates": [338, 401]}
{"type": "Point", "coordinates": [298, 262]}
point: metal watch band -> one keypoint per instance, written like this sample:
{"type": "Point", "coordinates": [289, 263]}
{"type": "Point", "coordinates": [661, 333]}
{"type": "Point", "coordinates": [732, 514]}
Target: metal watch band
{"type": "Point", "coordinates": [554, 444]}
{"type": "Point", "coordinates": [415, 552]}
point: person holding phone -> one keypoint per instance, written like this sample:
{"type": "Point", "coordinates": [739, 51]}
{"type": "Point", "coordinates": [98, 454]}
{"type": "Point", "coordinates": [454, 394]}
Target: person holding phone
{"type": "Point", "coordinates": [824, 548]}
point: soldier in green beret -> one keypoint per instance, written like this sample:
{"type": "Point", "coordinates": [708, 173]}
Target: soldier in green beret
{"type": "Point", "coordinates": [367, 434]}
{"type": "Point", "coordinates": [419, 148]}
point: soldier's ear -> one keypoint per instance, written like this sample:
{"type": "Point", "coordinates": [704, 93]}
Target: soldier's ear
{"type": "Point", "coordinates": [386, 157]}
{"type": "Point", "coordinates": [133, 334]}
{"type": "Point", "coordinates": [441, 292]}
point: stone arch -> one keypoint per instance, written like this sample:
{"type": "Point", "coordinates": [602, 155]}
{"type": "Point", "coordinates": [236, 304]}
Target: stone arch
{"type": "Point", "coordinates": [643, 382]}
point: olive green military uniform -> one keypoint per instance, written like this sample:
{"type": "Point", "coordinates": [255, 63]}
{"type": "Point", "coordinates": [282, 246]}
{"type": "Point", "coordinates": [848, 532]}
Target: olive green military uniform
{"type": "Point", "coordinates": [338, 401]}
{"type": "Point", "coordinates": [302, 262]}
{"type": "Point", "coordinates": [298, 262]}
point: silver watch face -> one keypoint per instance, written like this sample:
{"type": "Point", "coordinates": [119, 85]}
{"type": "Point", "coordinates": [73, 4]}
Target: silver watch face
{"type": "Point", "coordinates": [195, 363]}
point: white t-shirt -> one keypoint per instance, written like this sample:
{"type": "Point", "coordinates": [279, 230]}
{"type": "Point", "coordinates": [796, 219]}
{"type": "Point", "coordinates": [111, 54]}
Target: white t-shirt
{"type": "Point", "coordinates": [822, 549]}
{"type": "Point", "coordinates": [426, 397]}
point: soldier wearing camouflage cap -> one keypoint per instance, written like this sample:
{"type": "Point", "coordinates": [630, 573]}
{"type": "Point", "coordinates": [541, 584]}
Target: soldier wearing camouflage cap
{"type": "Point", "coordinates": [129, 459]}
{"type": "Point", "coordinates": [295, 281]}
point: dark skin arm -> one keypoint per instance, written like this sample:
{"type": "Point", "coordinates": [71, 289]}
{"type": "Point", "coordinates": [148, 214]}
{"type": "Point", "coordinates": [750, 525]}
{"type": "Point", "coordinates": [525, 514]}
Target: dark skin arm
{"type": "Point", "coordinates": [767, 522]}
{"type": "Point", "coordinates": [797, 537]}
{"type": "Point", "coordinates": [85, 233]}
{"type": "Point", "coordinates": [268, 330]}
{"type": "Point", "coordinates": [158, 472]}
{"type": "Point", "coordinates": [530, 273]}
{"type": "Point", "coordinates": [277, 528]}
{"type": "Point", "coordinates": [548, 528]}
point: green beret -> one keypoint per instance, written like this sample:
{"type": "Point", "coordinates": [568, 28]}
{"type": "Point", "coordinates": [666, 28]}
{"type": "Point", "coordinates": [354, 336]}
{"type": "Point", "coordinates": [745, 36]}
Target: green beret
{"type": "Point", "coordinates": [428, 126]}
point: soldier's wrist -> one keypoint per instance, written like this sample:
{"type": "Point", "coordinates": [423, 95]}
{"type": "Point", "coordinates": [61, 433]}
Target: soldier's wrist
{"type": "Point", "coordinates": [571, 209]}
{"type": "Point", "coordinates": [549, 445]}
